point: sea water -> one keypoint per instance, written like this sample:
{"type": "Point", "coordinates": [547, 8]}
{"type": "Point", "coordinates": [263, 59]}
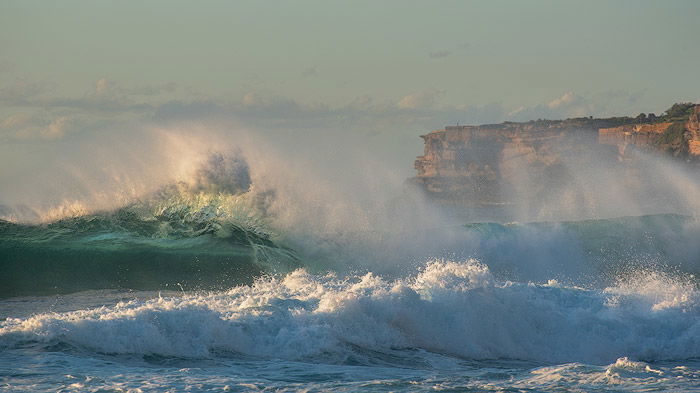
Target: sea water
{"type": "Point", "coordinates": [239, 289]}
{"type": "Point", "coordinates": [451, 326]}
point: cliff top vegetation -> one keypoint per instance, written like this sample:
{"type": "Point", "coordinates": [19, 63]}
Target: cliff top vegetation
{"type": "Point", "coordinates": [677, 112]}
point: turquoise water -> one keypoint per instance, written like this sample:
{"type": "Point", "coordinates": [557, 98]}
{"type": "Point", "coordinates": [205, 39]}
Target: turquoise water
{"type": "Point", "coordinates": [198, 296]}
{"type": "Point", "coordinates": [175, 244]}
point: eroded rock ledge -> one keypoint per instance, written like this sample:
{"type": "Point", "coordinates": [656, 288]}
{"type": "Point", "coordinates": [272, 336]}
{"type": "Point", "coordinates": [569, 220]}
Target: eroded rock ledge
{"type": "Point", "coordinates": [494, 163]}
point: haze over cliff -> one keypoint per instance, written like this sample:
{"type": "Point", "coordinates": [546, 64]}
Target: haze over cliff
{"type": "Point", "coordinates": [581, 167]}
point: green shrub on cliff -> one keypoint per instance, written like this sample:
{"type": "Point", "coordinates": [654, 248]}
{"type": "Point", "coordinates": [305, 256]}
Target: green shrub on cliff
{"type": "Point", "coordinates": [679, 111]}
{"type": "Point", "coordinates": [673, 135]}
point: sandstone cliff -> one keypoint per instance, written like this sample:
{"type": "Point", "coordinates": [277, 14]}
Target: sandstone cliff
{"type": "Point", "coordinates": [678, 135]}
{"type": "Point", "coordinates": [500, 163]}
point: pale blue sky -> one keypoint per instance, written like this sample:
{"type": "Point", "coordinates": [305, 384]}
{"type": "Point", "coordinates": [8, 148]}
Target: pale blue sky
{"type": "Point", "coordinates": [393, 69]}
{"type": "Point", "coordinates": [351, 79]}
{"type": "Point", "coordinates": [513, 52]}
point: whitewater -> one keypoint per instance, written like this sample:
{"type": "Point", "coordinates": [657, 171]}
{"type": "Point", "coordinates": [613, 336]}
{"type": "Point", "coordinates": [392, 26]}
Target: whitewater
{"type": "Point", "coordinates": [225, 263]}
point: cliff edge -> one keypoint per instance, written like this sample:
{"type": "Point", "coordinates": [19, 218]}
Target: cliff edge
{"type": "Point", "coordinates": [496, 163]}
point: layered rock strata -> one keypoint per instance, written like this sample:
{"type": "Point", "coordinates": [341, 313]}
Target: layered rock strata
{"type": "Point", "coordinates": [493, 164]}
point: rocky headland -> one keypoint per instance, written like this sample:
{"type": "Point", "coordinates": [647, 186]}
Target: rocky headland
{"type": "Point", "coordinates": [492, 164]}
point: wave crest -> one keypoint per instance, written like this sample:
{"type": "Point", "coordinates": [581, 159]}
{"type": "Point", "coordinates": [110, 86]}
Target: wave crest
{"type": "Point", "coordinates": [451, 308]}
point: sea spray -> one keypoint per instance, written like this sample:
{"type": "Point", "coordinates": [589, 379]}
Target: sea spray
{"type": "Point", "coordinates": [343, 210]}
{"type": "Point", "coordinates": [449, 308]}
{"type": "Point", "coordinates": [232, 214]}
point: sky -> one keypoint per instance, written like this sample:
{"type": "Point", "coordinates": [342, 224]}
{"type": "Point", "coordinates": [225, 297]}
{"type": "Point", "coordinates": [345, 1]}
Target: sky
{"type": "Point", "coordinates": [387, 70]}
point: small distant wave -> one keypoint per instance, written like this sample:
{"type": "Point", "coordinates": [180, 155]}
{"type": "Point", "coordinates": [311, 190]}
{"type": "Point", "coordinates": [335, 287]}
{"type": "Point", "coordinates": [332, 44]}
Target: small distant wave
{"type": "Point", "coordinates": [457, 309]}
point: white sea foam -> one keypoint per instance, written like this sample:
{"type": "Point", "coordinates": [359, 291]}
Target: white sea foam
{"type": "Point", "coordinates": [451, 308]}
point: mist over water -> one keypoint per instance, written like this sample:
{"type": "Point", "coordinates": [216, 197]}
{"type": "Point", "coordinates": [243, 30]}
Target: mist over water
{"type": "Point", "coordinates": [287, 251]}
{"type": "Point", "coordinates": [345, 208]}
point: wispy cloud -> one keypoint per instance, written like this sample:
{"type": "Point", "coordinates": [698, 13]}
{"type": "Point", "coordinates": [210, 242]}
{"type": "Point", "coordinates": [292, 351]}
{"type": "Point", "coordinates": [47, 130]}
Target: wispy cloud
{"type": "Point", "coordinates": [567, 99]}
{"type": "Point", "coordinates": [420, 100]}
{"type": "Point", "coordinates": [38, 113]}
{"type": "Point", "coordinates": [24, 126]}
{"type": "Point", "coordinates": [571, 104]}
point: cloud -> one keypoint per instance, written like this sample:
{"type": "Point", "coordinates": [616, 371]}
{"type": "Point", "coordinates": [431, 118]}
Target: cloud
{"type": "Point", "coordinates": [105, 96]}
{"type": "Point", "coordinates": [16, 121]}
{"type": "Point", "coordinates": [571, 104]}
{"type": "Point", "coordinates": [42, 116]}
{"type": "Point", "coordinates": [57, 128]}
{"type": "Point", "coordinates": [363, 114]}
{"type": "Point", "coordinates": [23, 126]}
{"type": "Point", "coordinates": [419, 111]}
{"type": "Point", "coordinates": [102, 86]}
{"type": "Point", "coordinates": [54, 116]}
{"type": "Point", "coordinates": [439, 54]}
{"type": "Point", "coordinates": [568, 99]}
{"type": "Point", "coordinates": [421, 99]}
{"type": "Point", "coordinates": [516, 111]}
{"type": "Point", "coordinates": [252, 98]}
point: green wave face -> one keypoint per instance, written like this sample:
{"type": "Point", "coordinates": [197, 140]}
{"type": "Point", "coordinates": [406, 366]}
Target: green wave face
{"type": "Point", "coordinates": [184, 242]}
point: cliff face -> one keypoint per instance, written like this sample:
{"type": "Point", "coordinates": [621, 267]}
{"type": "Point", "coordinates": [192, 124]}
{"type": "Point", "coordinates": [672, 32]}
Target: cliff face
{"type": "Point", "coordinates": [693, 128]}
{"type": "Point", "coordinates": [493, 164]}
{"type": "Point", "coordinates": [678, 137]}
{"type": "Point", "coordinates": [638, 135]}
{"type": "Point", "coordinates": [478, 163]}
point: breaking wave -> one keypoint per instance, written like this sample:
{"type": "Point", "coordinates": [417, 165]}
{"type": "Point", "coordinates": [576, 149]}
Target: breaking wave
{"type": "Point", "coordinates": [281, 261]}
{"type": "Point", "coordinates": [179, 238]}
{"type": "Point", "coordinates": [451, 308]}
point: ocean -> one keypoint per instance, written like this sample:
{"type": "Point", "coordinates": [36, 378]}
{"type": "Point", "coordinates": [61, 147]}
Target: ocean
{"type": "Point", "coordinates": [197, 290]}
